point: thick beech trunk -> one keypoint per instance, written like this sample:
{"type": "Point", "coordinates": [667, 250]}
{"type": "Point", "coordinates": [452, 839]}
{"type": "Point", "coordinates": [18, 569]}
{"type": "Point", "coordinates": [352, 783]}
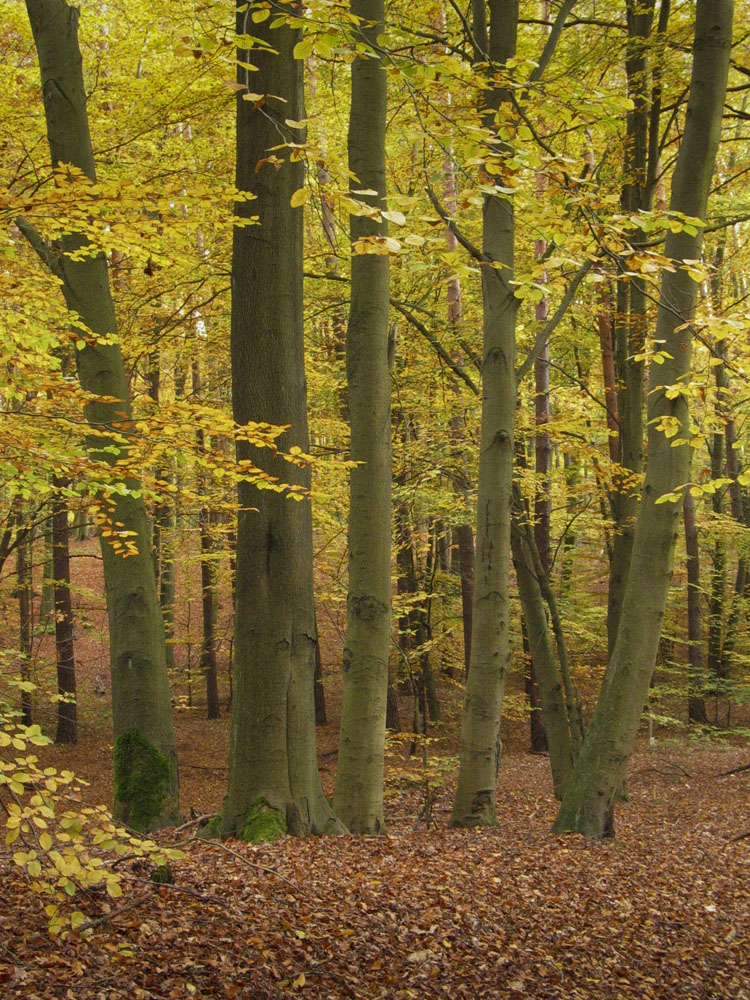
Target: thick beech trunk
{"type": "Point", "coordinates": [588, 805]}
{"type": "Point", "coordinates": [146, 782]}
{"type": "Point", "coordinates": [359, 780]}
{"type": "Point", "coordinates": [274, 785]}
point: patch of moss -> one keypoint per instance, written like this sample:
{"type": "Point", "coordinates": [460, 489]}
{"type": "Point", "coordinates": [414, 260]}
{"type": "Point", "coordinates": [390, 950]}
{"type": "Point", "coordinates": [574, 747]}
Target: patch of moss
{"type": "Point", "coordinates": [142, 781]}
{"type": "Point", "coordinates": [162, 875]}
{"type": "Point", "coordinates": [263, 823]}
{"type": "Point", "coordinates": [210, 831]}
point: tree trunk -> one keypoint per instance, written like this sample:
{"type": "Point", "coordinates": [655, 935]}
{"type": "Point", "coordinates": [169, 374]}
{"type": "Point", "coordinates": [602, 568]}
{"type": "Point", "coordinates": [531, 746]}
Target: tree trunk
{"type": "Point", "coordinates": [209, 575]}
{"type": "Point", "coordinates": [67, 713]}
{"type": "Point", "coordinates": [146, 780]}
{"type": "Point", "coordinates": [465, 538]}
{"type": "Point", "coordinates": [696, 670]}
{"type": "Point", "coordinates": [359, 780]}
{"type": "Point", "coordinates": [588, 806]}
{"type": "Point", "coordinates": [24, 593]}
{"type": "Point", "coordinates": [274, 786]}
{"type": "Point", "coordinates": [630, 317]}
{"type": "Point", "coordinates": [542, 653]}
{"type": "Point", "coordinates": [479, 751]}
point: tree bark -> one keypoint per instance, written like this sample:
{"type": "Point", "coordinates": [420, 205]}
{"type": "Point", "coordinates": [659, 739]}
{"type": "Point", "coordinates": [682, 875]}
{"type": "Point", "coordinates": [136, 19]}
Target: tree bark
{"type": "Point", "coordinates": [480, 748]}
{"type": "Point", "coordinates": [588, 805]}
{"type": "Point", "coordinates": [67, 712]}
{"type": "Point", "coordinates": [358, 798]}
{"type": "Point", "coordinates": [696, 669]}
{"type": "Point", "coordinates": [542, 652]}
{"type": "Point", "coordinates": [274, 786]}
{"type": "Point", "coordinates": [146, 779]}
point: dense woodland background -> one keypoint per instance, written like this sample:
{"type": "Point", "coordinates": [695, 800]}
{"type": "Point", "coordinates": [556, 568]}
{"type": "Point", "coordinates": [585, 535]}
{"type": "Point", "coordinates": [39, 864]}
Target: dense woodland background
{"type": "Point", "coordinates": [375, 381]}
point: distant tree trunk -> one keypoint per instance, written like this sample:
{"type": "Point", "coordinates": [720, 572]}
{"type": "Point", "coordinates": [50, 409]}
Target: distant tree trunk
{"type": "Point", "coordinates": [24, 593]}
{"type": "Point", "coordinates": [145, 760]}
{"type": "Point", "coordinates": [163, 534]}
{"type": "Point", "coordinates": [696, 670]}
{"type": "Point", "coordinates": [588, 805]}
{"type": "Point", "coordinates": [604, 324]}
{"type": "Point", "coordinates": [47, 605]}
{"type": "Point", "coordinates": [465, 538]}
{"type": "Point", "coordinates": [274, 786]}
{"type": "Point", "coordinates": [67, 711]}
{"type": "Point", "coordinates": [209, 575]}
{"type": "Point", "coordinates": [321, 715]}
{"type": "Point", "coordinates": [358, 799]}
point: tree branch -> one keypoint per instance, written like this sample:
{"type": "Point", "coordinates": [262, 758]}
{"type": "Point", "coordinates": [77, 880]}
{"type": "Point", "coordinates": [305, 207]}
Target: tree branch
{"type": "Point", "coordinates": [544, 334]}
{"type": "Point", "coordinates": [45, 254]}
{"type": "Point", "coordinates": [438, 347]}
{"type": "Point", "coordinates": [552, 39]}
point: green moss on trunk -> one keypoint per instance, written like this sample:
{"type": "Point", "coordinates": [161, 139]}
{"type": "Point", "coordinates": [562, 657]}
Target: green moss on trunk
{"type": "Point", "coordinates": [142, 781]}
{"type": "Point", "coordinates": [263, 823]}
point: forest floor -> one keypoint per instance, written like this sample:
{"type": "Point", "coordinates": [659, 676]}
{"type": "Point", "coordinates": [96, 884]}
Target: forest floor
{"type": "Point", "coordinates": [662, 912]}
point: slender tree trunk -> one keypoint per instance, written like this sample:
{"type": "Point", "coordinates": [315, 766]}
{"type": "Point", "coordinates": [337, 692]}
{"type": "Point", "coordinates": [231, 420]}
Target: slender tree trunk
{"type": "Point", "coordinates": [319, 691]}
{"type": "Point", "coordinates": [145, 759]}
{"type": "Point", "coordinates": [163, 534]}
{"type": "Point", "coordinates": [604, 324]}
{"type": "Point", "coordinates": [588, 805]}
{"type": "Point", "coordinates": [274, 786]}
{"type": "Point", "coordinates": [24, 594]}
{"type": "Point", "coordinates": [552, 701]}
{"type": "Point", "coordinates": [209, 575]}
{"type": "Point", "coordinates": [359, 780]}
{"type": "Point", "coordinates": [696, 669]}
{"type": "Point", "coordinates": [47, 604]}
{"type": "Point", "coordinates": [490, 646]}
{"type": "Point", "coordinates": [465, 538]}
{"type": "Point", "coordinates": [67, 712]}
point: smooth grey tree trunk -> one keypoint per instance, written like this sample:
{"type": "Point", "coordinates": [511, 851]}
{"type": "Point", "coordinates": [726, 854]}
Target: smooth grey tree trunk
{"type": "Point", "coordinates": [479, 751]}
{"type": "Point", "coordinates": [358, 799]}
{"type": "Point", "coordinates": [274, 786]}
{"type": "Point", "coordinates": [146, 780]}
{"type": "Point", "coordinates": [588, 805]}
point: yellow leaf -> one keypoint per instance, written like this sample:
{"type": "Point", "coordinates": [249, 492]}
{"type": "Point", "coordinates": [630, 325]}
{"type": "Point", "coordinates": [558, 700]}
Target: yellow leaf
{"type": "Point", "coordinates": [300, 196]}
{"type": "Point", "coordinates": [299, 981]}
{"type": "Point", "coordinates": [114, 889]}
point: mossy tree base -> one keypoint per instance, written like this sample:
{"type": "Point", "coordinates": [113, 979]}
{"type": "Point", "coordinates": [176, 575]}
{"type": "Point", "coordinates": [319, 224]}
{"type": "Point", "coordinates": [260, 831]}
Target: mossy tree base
{"type": "Point", "coordinates": [143, 783]}
{"type": "Point", "coordinates": [264, 823]}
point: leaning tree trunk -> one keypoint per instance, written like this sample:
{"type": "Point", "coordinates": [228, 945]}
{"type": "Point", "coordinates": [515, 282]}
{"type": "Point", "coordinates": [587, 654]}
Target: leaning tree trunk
{"type": "Point", "coordinates": [541, 648]}
{"type": "Point", "coordinates": [588, 806]}
{"type": "Point", "coordinates": [274, 784]}
{"type": "Point", "coordinates": [146, 782]}
{"type": "Point", "coordinates": [359, 780]}
{"type": "Point", "coordinates": [490, 643]}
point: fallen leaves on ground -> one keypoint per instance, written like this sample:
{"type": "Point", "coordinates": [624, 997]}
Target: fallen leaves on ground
{"type": "Point", "coordinates": [663, 912]}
